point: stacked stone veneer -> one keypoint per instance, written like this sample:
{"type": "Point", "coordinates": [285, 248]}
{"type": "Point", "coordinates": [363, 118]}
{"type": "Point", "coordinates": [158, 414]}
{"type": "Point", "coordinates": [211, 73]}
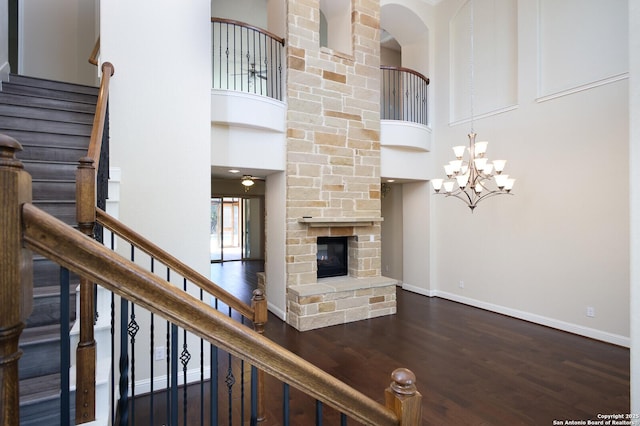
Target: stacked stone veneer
{"type": "Point", "coordinates": [333, 167]}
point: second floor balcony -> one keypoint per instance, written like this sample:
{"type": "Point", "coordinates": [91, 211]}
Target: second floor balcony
{"type": "Point", "coordinates": [251, 60]}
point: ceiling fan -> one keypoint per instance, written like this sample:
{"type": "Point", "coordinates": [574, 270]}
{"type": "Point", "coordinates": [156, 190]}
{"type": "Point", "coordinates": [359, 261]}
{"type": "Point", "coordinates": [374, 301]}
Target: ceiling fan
{"type": "Point", "coordinates": [252, 72]}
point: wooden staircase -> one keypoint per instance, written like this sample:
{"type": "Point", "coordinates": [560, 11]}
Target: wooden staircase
{"type": "Point", "coordinates": [52, 121]}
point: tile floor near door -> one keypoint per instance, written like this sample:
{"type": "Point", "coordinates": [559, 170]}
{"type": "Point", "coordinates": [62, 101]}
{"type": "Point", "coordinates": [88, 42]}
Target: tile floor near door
{"type": "Point", "coordinates": [473, 367]}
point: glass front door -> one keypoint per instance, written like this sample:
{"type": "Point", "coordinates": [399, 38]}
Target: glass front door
{"type": "Point", "coordinates": [236, 228]}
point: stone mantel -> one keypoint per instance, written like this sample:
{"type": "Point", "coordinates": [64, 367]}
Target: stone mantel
{"type": "Point", "coordinates": [321, 222]}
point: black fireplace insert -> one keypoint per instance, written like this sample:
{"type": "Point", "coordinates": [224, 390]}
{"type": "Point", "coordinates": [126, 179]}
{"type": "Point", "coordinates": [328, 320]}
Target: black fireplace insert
{"type": "Point", "coordinates": [332, 256]}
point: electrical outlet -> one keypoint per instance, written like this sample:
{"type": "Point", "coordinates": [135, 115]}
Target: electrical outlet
{"type": "Point", "coordinates": [159, 353]}
{"type": "Point", "coordinates": [461, 284]}
{"type": "Point", "coordinates": [591, 312]}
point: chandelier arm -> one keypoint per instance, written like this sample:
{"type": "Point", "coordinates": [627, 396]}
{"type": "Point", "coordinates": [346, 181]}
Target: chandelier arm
{"type": "Point", "coordinates": [492, 194]}
{"type": "Point", "coordinates": [467, 201]}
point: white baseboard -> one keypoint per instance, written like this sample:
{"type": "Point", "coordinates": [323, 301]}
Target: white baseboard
{"type": "Point", "coordinates": [538, 319]}
{"type": "Point", "coordinates": [419, 290]}
{"type": "Point", "coordinates": [277, 311]}
{"type": "Point", "coordinates": [193, 375]}
{"type": "Point", "coordinates": [5, 69]}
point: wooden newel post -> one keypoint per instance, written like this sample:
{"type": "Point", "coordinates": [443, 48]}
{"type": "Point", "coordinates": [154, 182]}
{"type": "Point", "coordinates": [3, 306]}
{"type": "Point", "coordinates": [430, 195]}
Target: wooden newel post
{"type": "Point", "coordinates": [403, 397]}
{"type": "Point", "coordinates": [16, 276]}
{"type": "Point", "coordinates": [86, 350]}
{"type": "Point", "coordinates": [260, 315]}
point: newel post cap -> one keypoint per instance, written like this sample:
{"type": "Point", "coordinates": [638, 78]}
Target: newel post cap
{"type": "Point", "coordinates": [404, 381]}
{"type": "Point", "coordinates": [8, 148]}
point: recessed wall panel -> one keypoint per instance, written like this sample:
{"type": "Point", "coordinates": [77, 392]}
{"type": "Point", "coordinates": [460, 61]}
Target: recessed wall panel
{"type": "Point", "coordinates": [484, 73]}
{"type": "Point", "coordinates": [577, 52]}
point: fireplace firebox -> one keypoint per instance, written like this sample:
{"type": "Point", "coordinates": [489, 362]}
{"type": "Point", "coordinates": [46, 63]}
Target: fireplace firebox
{"type": "Point", "coordinates": [332, 256]}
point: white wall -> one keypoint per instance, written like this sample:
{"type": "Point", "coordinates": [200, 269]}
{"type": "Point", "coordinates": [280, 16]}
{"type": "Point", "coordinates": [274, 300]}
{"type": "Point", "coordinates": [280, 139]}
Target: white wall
{"type": "Point", "coordinates": [160, 126]}
{"type": "Point", "coordinates": [634, 195]}
{"type": "Point", "coordinates": [560, 243]}
{"type": "Point", "coordinates": [275, 222]}
{"type": "Point", "coordinates": [416, 234]}
{"type": "Point", "coordinates": [391, 232]}
{"type": "Point", "coordinates": [252, 12]}
{"type": "Point", "coordinates": [56, 39]}
{"type": "Point", "coordinates": [4, 39]}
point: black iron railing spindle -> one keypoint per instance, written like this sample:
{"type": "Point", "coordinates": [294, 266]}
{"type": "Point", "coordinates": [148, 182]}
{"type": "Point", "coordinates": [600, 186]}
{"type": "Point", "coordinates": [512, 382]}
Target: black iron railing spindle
{"type": "Point", "coordinates": [151, 358]}
{"type": "Point", "coordinates": [253, 61]}
{"type": "Point", "coordinates": [65, 351]}
{"type": "Point", "coordinates": [403, 95]}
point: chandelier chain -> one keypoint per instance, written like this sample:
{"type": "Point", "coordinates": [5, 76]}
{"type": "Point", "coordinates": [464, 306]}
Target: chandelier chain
{"type": "Point", "coordinates": [471, 62]}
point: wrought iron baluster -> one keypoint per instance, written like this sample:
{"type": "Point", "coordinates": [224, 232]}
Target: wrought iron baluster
{"type": "Point", "coordinates": [318, 413]}
{"type": "Point", "coordinates": [201, 372]}
{"type": "Point", "coordinates": [168, 362]}
{"type": "Point", "coordinates": [241, 379]}
{"type": "Point", "coordinates": [65, 351]}
{"type": "Point", "coordinates": [185, 357]}
{"type": "Point", "coordinates": [174, 375]}
{"type": "Point", "coordinates": [132, 330]}
{"type": "Point", "coordinates": [123, 402]}
{"type": "Point", "coordinates": [230, 381]}
{"type": "Point", "coordinates": [113, 340]}
{"type": "Point", "coordinates": [285, 404]}
{"type": "Point", "coordinates": [254, 396]}
{"type": "Point", "coordinates": [151, 358]}
{"type": "Point", "coordinates": [213, 387]}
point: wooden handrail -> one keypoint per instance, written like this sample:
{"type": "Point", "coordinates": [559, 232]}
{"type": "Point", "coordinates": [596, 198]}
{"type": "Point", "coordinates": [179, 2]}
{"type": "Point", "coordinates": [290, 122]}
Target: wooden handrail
{"type": "Point", "coordinates": [251, 27]}
{"type": "Point", "coordinates": [95, 142]}
{"type": "Point", "coordinates": [407, 70]}
{"type": "Point", "coordinates": [132, 237]}
{"type": "Point", "coordinates": [61, 243]}
{"type": "Point", "coordinates": [93, 59]}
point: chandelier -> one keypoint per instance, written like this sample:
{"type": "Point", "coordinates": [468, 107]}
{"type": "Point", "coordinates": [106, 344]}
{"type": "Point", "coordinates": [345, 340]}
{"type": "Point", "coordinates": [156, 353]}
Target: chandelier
{"type": "Point", "coordinates": [471, 177]}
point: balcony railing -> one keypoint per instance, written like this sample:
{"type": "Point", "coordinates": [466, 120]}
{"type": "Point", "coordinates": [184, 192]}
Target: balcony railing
{"type": "Point", "coordinates": [246, 58]}
{"type": "Point", "coordinates": [403, 95]}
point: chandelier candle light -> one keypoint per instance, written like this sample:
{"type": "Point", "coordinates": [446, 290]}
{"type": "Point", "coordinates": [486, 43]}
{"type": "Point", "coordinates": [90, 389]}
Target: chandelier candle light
{"type": "Point", "coordinates": [474, 178]}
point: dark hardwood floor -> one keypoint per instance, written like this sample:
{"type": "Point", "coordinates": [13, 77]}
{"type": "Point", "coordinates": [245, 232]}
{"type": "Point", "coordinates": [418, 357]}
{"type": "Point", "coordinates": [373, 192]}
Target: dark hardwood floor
{"type": "Point", "coordinates": [473, 367]}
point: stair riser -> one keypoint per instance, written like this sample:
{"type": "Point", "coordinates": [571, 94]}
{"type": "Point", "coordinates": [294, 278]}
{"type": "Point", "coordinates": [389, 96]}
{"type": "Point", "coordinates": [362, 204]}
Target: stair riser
{"type": "Point", "coordinates": [13, 99]}
{"type": "Point", "coordinates": [48, 93]}
{"type": "Point", "coordinates": [64, 212]}
{"type": "Point", "coordinates": [47, 190]}
{"type": "Point", "coordinates": [46, 412]}
{"type": "Point", "coordinates": [51, 84]}
{"type": "Point", "coordinates": [29, 139]}
{"type": "Point", "coordinates": [56, 171]}
{"type": "Point", "coordinates": [45, 114]}
{"type": "Point", "coordinates": [47, 274]}
{"type": "Point", "coordinates": [40, 359]}
{"type": "Point", "coordinates": [46, 310]}
{"type": "Point", "coordinates": [44, 126]}
{"type": "Point", "coordinates": [69, 155]}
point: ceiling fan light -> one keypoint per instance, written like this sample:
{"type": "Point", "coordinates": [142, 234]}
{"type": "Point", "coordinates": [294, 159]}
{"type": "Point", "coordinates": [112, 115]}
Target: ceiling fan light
{"type": "Point", "coordinates": [247, 180]}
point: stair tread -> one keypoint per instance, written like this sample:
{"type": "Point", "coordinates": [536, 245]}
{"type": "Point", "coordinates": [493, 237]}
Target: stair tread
{"type": "Point", "coordinates": [39, 334]}
{"type": "Point", "coordinates": [46, 291]}
{"type": "Point", "coordinates": [56, 162]}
